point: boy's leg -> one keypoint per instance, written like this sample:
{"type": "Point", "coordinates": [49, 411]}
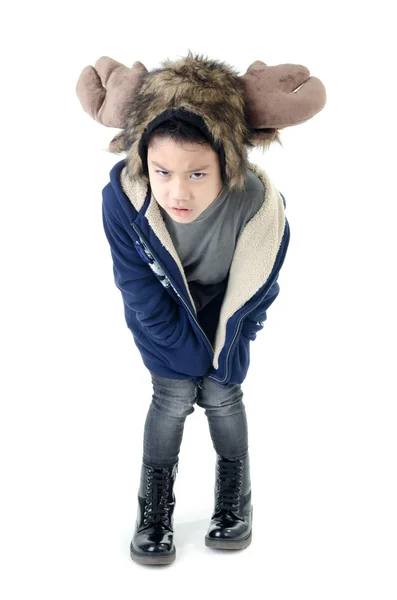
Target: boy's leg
{"type": "Point", "coordinates": [227, 418]}
{"type": "Point", "coordinates": [172, 402]}
{"type": "Point", "coordinates": [231, 522]}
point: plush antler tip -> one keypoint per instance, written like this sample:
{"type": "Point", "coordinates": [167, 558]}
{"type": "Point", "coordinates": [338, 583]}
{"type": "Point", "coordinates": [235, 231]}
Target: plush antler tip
{"type": "Point", "coordinates": [101, 60]}
{"type": "Point", "coordinates": [258, 64]}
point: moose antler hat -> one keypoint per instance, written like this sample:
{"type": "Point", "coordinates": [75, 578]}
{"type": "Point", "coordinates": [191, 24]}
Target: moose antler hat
{"type": "Point", "coordinates": [234, 112]}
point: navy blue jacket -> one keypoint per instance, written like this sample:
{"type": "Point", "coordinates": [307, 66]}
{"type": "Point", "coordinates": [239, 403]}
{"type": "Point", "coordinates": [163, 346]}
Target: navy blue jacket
{"type": "Point", "coordinates": [175, 341]}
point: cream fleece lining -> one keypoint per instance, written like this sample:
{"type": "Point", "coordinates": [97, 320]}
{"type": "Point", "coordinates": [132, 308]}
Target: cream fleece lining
{"type": "Point", "coordinates": [254, 255]}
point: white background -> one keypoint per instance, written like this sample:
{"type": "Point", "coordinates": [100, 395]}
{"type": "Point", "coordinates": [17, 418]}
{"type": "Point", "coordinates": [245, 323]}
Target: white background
{"type": "Point", "coordinates": [320, 393]}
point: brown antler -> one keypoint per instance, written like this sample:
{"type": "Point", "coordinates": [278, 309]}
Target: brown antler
{"type": "Point", "coordinates": [103, 90]}
{"type": "Point", "coordinates": [272, 101]}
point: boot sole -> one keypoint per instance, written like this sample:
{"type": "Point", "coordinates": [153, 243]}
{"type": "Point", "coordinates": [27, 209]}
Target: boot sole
{"type": "Point", "coordinates": [151, 558]}
{"type": "Point", "coordinates": [230, 544]}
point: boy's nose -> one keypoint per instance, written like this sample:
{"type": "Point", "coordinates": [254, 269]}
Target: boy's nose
{"type": "Point", "coordinates": [180, 192]}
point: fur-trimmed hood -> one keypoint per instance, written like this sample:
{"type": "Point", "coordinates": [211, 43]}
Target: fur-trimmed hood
{"type": "Point", "coordinates": [207, 88]}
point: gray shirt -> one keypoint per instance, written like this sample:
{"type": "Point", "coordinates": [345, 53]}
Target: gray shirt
{"type": "Point", "coordinates": [206, 245]}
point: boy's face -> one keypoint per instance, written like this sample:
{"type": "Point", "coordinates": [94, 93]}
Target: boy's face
{"type": "Point", "coordinates": [178, 177]}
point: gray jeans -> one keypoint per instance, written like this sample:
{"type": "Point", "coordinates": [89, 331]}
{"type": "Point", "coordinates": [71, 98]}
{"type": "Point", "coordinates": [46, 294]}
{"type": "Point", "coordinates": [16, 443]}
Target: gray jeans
{"type": "Point", "coordinates": [173, 400]}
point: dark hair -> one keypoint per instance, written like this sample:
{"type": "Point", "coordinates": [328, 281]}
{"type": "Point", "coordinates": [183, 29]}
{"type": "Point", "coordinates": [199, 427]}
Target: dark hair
{"type": "Point", "coordinates": [179, 131]}
{"type": "Point", "coordinates": [180, 126]}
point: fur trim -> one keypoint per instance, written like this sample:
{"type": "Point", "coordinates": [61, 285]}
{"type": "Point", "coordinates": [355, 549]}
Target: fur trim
{"type": "Point", "coordinates": [209, 88]}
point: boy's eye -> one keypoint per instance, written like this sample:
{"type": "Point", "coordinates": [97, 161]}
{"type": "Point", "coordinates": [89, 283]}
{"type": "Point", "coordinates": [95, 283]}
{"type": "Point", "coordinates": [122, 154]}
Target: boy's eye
{"type": "Point", "coordinates": [203, 174]}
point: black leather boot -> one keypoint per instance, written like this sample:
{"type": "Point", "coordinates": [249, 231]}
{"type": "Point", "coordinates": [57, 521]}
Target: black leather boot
{"type": "Point", "coordinates": [231, 522]}
{"type": "Point", "coordinates": [152, 543]}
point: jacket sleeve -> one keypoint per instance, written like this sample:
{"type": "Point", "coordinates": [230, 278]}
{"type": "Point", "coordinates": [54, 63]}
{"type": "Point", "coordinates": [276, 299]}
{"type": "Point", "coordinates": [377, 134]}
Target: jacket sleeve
{"type": "Point", "coordinates": [239, 359]}
{"type": "Point", "coordinates": [161, 319]}
{"type": "Point", "coordinates": [253, 322]}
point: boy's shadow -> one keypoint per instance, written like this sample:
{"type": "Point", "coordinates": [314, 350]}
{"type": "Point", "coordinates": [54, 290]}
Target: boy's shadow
{"type": "Point", "coordinates": [190, 533]}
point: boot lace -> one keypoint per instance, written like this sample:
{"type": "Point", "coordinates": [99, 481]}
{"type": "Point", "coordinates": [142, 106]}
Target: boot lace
{"type": "Point", "coordinates": [157, 485]}
{"type": "Point", "coordinates": [229, 485]}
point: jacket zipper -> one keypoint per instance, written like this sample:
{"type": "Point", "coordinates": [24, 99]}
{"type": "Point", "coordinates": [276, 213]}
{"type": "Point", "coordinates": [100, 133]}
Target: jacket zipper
{"type": "Point", "coordinates": [235, 335]}
{"type": "Point", "coordinates": [147, 247]}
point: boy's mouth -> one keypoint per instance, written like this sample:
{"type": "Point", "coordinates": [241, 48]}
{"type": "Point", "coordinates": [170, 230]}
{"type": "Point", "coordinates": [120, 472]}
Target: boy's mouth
{"type": "Point", "coordinates": [181, 211]}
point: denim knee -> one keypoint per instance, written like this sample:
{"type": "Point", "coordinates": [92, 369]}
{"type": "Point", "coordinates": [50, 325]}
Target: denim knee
{"type": "Point", "coordinates": [220, 401]}
{"type": "Point", "coordinates": [173, 397]}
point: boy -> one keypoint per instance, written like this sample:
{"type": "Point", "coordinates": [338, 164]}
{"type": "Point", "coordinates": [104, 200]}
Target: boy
{"type": "Point", "coordinates": [198, 236]}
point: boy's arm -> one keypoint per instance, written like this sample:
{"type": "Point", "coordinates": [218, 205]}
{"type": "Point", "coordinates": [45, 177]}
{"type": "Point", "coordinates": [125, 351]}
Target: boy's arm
{"type": "Point", "coordinates": [239, 358]}
{"type": "Point", "coordinates": [253, 322]}
{"type": "Point", "coordinates": [162, 320]}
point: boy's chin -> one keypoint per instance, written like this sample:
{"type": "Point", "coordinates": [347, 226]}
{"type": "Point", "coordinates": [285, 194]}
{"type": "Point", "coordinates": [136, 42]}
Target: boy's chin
{"type": "Point", "coordinates": [190, 216]}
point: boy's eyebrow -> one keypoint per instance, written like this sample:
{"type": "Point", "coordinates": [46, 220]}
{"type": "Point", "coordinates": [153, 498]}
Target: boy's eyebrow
{"type": "Point", "coordinates": [190, 171]}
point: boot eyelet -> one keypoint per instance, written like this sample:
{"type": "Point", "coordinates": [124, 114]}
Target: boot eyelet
{"type": "Point", "coordinates": [145, 521]}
